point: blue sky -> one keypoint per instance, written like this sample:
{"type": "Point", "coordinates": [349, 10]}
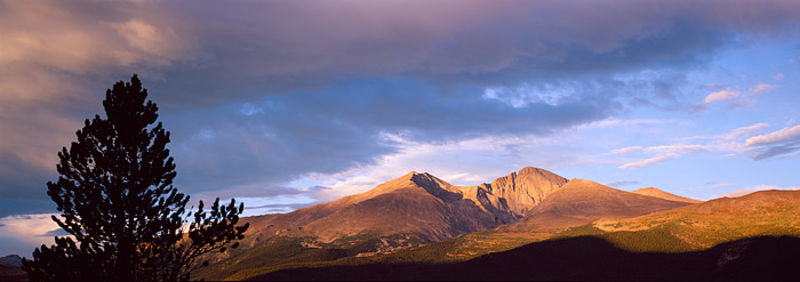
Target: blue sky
{"type": "Point", "coordinates": [283, 104]}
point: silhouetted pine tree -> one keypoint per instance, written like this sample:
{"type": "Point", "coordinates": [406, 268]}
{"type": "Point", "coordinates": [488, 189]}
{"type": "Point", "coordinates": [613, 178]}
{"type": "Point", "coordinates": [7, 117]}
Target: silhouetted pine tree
{"type": "Point", "coordinates": [116, 198]}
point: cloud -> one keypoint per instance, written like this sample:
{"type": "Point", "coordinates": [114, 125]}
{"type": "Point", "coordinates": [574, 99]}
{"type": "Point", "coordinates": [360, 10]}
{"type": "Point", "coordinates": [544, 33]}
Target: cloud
{"type": "Point", "coordinates": [745, 130]}
{"type": "Point", "coordinates": [678, 148]}
{"type": "Point", "coordinates": [262, 94]}
{"type": "Point", "coordinates": [622, 123]}
{"type": "Point", "coordinates": [778, 76]}
{"type": "Point", "coordinates": [759, 145]}
{"type": "Point", "coordinates": [783, 142]}
{"type": "Point", "coordinates": [722, 95]}
{"type": "Point", "coordinates": [650, 161]}
{"type": "Point", "coordinates": [756, 188]}
{"type": "Point", "coordinates": [626, 150]}
{"type": "Point", "coordinates": [662, 153]}
{"type": "Point", "coordinates": [21, 234]}
{"type": "Point", "coordinates": [621, 183]}
{"type": "Point", "coordinates": [743, 102]}
{"type": "Point", "coordinates": [761, 88]}
{"type": "Point", "coordinates": [341, 128]}
{"type": "Point", "coordinates": [789, 134]}
{"type": "Point", "coordinates": [737, 193]}
{"type": "Point", "coordinates": [730, 94]}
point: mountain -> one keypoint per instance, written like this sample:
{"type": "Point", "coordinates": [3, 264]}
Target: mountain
{"type": "Point", "coordinates": [412, 210]}
{"type": "Point", "coordinates": [753, 237]}
{"type": "Point", "coordinates": [654, 192]}
{"type": "Point", "coordinates": [703, 225]}
{"type": "Point", "coordinates": [582, 201]}
{"type": "Point", "coordinates": [12, 261]}
{"type": "Point", "coordinates": [10, 269]}
{"type": "Point", "coordinates": [419, 208]}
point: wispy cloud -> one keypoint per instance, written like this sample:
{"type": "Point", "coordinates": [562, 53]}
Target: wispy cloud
{"type": "Point", "coordinates": [732, 94]}
{"type": "Point", "coordinates": [783, 142]}
{"type": "Point", "coordinates": [663, 153]}
{"type": "Point", "coordinates": [650, 161]}
{"type": "Point", "coordinates": [756, 188]}
{"type": "Point", "coordinates": [626, 150]}
{"type": "Point", "coordinates": [722, 95]}
{"type": "Point", "coordinates": [788, 134]}
{"type": "Point", "coordinates": [21, 234]}
{"type": "Point", "coordinates": [745, 130]}
{"type": "Point", "coordinates": [621, 183]}
{"type": "Point", "coordinates": [761, 88]}
{"type": "Point", "coordinates": [717, 143]}
{"type": "Point", "coordinates": [679, 148]}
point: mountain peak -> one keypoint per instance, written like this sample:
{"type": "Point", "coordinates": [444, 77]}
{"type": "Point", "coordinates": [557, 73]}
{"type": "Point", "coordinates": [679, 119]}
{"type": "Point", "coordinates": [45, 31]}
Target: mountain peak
{"type": "Point", "coordinates": [13, 261]}
{"type": "Point", "coordinates": [525, 189]}
{"type": "Point", "coordinates": [411, 174]}
{"type": "Point", "coordinates": [531, 170]}
{"type": "Point", "coordinates": [655, 192]}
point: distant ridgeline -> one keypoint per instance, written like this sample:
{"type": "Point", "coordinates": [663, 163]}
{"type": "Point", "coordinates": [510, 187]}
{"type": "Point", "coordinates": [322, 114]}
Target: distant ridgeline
{"type": "Point", "coordinates": [429, 225]}
{"type": "Point", "coordinates": [10, 268]}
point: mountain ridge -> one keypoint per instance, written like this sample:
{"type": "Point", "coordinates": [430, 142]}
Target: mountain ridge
{"type": "Point", "coordinates": [419, 208]}
{"type": "Point", "coordinates": [658, 193]}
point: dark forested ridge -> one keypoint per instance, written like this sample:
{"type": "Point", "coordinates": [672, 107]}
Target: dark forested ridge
{"type": "Point", "coordinates": [587, 258]}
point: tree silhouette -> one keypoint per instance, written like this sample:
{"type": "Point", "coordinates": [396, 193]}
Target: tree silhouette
{"type": "Point", "coordinates": [115, 194]}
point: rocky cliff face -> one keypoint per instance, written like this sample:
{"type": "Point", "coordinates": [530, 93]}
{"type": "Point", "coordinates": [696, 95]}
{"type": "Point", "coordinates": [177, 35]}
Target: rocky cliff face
{"type": "Point", "coordinates": [523, 190]}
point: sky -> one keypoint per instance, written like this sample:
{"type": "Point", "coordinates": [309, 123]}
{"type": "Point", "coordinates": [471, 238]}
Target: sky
{"type": "Point", "coordinates": [285, 104]}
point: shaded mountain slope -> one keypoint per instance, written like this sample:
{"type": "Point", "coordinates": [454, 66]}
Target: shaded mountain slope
{"type": "Point", "coordinates": [586, 259]}
{"type": "Point", "coordinates": [654, 192]}
{"type": "Point", "coordinates": [13, 261]}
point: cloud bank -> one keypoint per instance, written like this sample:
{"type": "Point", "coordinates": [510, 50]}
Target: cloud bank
{"type": "Point", "coordinates": [261, 94]}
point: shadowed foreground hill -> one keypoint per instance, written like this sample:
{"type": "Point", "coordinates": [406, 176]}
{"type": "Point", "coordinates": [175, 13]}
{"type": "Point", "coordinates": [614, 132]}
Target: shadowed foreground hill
{"type": "Point", "coordinates": [10, 269]}
{"type": "Point", "coordinates": [12, 274]}
{"type": "Point", "coordinates": [587, 258]}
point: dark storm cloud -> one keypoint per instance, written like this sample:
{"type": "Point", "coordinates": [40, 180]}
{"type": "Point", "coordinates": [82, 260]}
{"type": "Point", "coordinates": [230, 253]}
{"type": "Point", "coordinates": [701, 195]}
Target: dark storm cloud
{"type": "Point", "coordinates": [323, 80]}
{"type": "Point", "coordinates": [279, 47]}
{"type": "Point", "coordinates": [279, 138]}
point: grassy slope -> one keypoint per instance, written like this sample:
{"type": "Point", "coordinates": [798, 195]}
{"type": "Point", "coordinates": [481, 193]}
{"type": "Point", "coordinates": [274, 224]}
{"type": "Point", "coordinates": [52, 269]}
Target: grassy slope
{"type": "Point", "coordinates": [775, 213]}
{"type": "Point", "coordinates": [585, 259]}
{"type": "Point", "coordinates": [460, 249]}
{"type": "Point", "coordinates": [281, 251]}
